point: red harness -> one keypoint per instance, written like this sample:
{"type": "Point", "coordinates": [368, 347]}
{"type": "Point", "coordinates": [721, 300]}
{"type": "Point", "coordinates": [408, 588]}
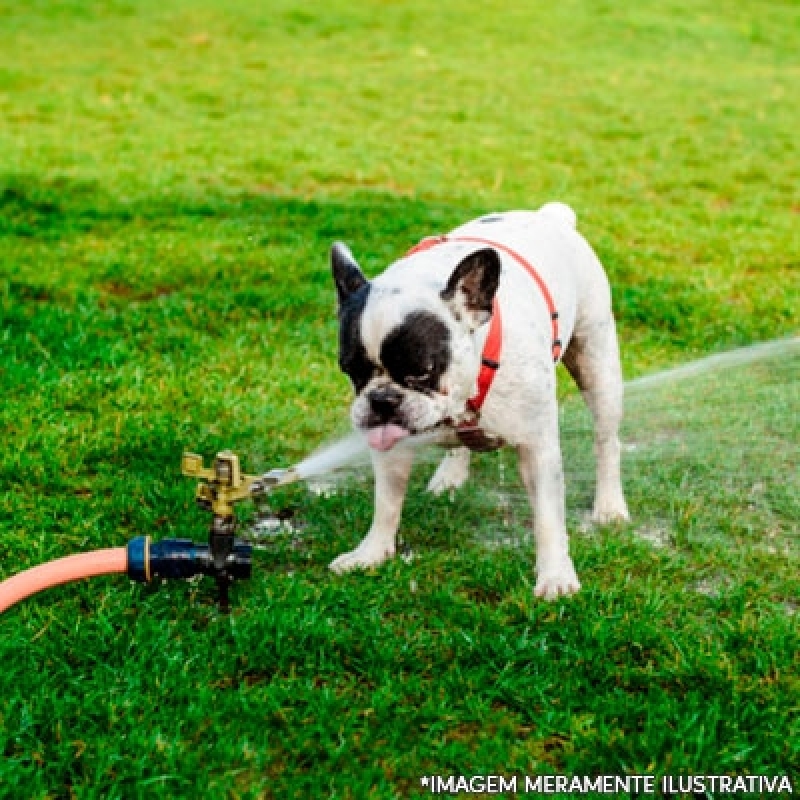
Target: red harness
{"type": "Point", "coordinates": [490, 359]}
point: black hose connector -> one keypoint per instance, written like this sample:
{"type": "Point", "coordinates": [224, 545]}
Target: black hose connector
{"type": "Point", "coordinates": [183, 558]}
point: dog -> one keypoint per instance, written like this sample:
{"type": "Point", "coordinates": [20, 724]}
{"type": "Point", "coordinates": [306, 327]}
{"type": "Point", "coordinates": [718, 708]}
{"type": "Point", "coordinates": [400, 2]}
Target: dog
{"type": "Point", "coordinates": [461, 337]}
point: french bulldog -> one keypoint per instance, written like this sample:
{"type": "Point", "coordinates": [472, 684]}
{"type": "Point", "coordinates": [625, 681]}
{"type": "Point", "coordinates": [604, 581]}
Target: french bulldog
{"type": "Point", "coordinates": [413, 342]}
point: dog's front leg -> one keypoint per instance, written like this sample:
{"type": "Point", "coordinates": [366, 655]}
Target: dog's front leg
{"type": "Point", "coordinates": [392, 470]}
{"type": "Point", "coordinates": [543, 477]}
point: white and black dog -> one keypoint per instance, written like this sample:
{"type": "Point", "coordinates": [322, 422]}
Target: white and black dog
{"type": "Point", "coordinates": [415, 342]}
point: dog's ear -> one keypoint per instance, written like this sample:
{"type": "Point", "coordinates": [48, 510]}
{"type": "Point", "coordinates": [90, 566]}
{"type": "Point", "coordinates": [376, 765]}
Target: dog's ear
{"type": "Point", "coordinates": [346, 273]}
{"type": "Point", "coordinates": [472, 286]}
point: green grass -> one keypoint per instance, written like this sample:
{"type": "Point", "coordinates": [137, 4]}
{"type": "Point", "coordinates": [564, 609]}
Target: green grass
{"type": "Point", "coordinates": [171, 177]}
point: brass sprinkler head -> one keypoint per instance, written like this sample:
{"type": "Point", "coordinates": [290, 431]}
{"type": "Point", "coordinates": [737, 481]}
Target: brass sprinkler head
{"type": "Point", "coordinates": [221, 485]}
{"type": "Point", "coordinates": [224, 483]}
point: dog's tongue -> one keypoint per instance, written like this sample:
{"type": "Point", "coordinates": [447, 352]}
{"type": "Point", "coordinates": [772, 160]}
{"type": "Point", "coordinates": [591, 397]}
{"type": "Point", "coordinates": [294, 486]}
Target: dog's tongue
{"type": "Point", "coordinates": [385, 437]}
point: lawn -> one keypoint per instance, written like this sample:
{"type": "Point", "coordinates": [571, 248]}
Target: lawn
{"type": "Point", "coordinates": [171, 177]}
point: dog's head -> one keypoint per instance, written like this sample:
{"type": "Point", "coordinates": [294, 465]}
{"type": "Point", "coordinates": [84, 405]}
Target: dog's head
{"type": "Point", "coordinates": [407, 345]}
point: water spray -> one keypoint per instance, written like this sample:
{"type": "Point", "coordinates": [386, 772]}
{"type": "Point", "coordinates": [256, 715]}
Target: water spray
{"type": "Point", "coordinates": [223, 558]}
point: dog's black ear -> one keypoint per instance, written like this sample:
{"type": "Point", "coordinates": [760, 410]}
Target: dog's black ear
{"type": "Point", "coordinates": [346, 273]}
{"type": "Point", "coordinates": [472, 286]}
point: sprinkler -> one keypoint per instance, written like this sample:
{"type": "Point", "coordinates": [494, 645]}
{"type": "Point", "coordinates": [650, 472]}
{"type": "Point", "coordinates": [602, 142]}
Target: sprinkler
{"type": "Point", "coordinates": [224, 558]}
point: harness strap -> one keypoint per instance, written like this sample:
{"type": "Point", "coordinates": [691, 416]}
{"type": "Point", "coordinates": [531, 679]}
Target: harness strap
{"type": "Point", "coordinates": [490, 359]}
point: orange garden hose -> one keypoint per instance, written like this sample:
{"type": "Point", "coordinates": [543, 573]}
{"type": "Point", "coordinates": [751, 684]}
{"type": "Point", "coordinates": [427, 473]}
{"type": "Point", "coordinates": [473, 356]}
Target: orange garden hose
{"type": "Point", "coordinates": [62, 570]}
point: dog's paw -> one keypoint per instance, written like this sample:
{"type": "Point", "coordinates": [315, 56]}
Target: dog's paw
{"type": "Point", "coordinates": [609, 513]}
{"type": "Point", "coordinates": [361, 558]}
{"type": "Point", "coordinates": [555, 581]}
{"type": "Point", "coordinates": [451, 473]}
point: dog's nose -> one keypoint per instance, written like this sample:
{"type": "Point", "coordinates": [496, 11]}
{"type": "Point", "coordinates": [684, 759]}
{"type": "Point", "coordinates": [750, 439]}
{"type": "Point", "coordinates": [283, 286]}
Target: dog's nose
{"type": "Point", "coordinates": [385, 400]}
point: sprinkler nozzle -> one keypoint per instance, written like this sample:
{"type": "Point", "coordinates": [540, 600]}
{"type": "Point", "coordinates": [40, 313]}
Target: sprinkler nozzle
{"type": "Point", "coordinates": [275, 477]}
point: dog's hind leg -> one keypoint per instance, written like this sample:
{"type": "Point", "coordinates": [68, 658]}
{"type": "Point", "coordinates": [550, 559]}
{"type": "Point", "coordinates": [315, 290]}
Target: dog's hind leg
{"type": "Point", "coordinates": [392, 470]}
{"type": "Point", "coordinates": [593, 361]}
{"type": "Point", "coordinates": [452, 471]}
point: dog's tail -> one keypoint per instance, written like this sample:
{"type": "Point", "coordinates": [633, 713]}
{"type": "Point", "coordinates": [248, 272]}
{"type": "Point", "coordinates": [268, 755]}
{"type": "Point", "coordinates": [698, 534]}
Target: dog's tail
{"type": "Point", "coordinates": [561, 212]}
